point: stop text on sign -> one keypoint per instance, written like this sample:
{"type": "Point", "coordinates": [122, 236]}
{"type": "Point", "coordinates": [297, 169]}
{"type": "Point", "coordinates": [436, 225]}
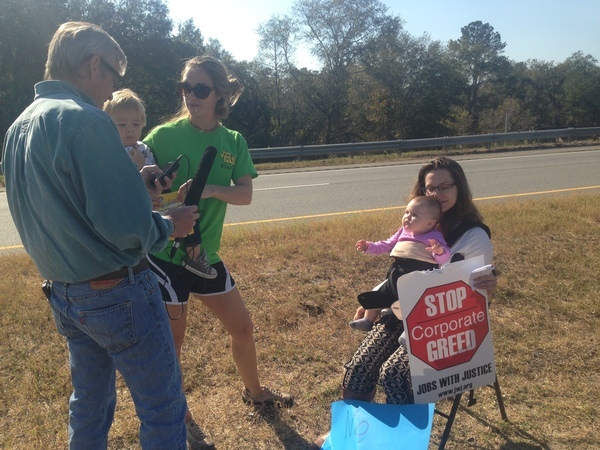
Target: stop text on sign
{"type": "Point", "coordinates": [445, 301]}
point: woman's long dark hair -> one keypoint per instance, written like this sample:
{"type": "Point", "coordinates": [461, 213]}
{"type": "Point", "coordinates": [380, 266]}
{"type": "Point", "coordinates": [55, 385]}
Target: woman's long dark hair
{"type": "Point", "coordinates": [464, 209]}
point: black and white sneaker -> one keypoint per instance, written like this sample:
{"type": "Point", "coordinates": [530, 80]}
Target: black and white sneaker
{"type": "Point", "coordinates": [200, 266]}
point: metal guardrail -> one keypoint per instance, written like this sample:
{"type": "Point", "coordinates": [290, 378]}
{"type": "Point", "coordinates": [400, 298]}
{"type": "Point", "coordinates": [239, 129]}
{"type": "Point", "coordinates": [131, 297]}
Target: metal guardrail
{"type": "Point", "coordinates": [413, 144]}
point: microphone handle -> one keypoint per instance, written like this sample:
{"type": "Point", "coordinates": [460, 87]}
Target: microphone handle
{"type": "Point", "coordinates": [195, 193]}
{"type": "Point", "coordinates": [201, 177]}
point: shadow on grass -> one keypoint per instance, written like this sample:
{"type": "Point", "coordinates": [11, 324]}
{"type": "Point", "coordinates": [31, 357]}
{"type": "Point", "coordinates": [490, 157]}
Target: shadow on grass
{"type": "Point", "coordinates": [286, 433]}
{"type": "Point", "coordinates": [516, 432]}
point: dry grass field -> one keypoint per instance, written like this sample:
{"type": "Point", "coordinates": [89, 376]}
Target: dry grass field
{"type": "Point", "coordinates": [300, 282]}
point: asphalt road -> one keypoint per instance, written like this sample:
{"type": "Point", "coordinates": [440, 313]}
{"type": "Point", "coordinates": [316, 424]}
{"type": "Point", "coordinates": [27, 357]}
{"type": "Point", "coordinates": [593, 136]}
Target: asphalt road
{"type": "Point", "coordinates": [344, 189]}
{"type": "Point", "coordinates": [340, 190]}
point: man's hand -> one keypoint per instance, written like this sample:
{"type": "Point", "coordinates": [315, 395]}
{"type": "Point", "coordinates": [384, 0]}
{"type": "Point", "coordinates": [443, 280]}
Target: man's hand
{"type": "Point", "coordinates": [184, 218]}
{"type": "Point", "coordinates": [149, 176]}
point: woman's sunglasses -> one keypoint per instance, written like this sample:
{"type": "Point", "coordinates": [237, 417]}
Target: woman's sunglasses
{"type": "Point", "coordinates": [201, 91]}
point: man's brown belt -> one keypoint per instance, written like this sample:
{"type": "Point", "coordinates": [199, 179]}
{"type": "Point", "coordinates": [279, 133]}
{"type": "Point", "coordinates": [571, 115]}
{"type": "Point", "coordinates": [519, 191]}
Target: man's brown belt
{"type": "Point", "coordinates": [123, 271]}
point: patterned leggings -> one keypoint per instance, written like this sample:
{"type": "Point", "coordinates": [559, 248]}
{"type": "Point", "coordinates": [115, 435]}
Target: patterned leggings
{"type": "Point", "coordinates": [380, 359]}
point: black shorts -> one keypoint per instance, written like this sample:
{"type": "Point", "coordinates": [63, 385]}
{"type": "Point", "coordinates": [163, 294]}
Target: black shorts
{"type": "Point", "coordinates": [176, 283]}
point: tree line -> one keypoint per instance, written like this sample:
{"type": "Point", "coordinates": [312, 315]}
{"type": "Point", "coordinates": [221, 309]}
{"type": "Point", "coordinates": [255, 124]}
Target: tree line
{"type": "Point", "coordinates": [376, 81]}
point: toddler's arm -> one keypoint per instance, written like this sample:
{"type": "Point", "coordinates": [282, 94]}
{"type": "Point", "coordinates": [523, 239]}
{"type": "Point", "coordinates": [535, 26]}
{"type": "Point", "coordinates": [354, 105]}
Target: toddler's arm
{"type": "Point", "coordinates": [441, 251]}
{"type": "Point", "coordinates": [137, 157]}
{"type": "Point", "coordinates": [362, 245]}
{"type": "Point", "coordinates": [435, 247]}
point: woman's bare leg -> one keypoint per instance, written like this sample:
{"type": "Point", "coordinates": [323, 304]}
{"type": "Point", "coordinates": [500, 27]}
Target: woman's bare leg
{"type": "Point", "coordinates": [229, 308]}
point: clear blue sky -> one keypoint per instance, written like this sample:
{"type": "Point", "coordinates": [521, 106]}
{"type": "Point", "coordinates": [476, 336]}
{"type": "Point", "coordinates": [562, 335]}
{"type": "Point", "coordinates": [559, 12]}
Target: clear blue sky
{"type": "Point", "coordinates": [549, 30]}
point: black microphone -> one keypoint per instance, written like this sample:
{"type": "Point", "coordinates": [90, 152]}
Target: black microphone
{"type": "Point", "coordinates": [194, 194]}
{"type": "Point", "coordinates": [201, 177]}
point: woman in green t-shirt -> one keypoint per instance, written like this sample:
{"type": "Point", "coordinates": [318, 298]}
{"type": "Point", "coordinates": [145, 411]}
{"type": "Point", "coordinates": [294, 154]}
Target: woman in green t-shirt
{"type": "Point", "coordinates": [207, 93]}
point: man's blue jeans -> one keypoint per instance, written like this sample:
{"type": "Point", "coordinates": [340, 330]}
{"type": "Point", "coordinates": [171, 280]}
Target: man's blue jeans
{"type": "Point", "coordinates": [124, 328]}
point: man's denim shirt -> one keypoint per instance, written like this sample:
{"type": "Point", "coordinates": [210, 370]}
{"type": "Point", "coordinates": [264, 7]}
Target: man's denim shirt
{"type": "Point", "coordinates": [78, 202]}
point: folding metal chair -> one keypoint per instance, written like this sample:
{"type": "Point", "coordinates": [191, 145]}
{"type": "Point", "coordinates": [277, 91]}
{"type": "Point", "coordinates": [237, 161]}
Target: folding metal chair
{"type": "Point", "coordinates": [450, 417]}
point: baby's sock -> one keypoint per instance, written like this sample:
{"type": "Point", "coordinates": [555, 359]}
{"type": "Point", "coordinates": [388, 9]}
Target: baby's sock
{"type": "Point", "coordinates": [361, 324]}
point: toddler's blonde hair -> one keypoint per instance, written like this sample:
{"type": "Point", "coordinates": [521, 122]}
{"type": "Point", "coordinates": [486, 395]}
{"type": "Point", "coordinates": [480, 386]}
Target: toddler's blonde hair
{"type": "Point", "coordinates": [123, 100]}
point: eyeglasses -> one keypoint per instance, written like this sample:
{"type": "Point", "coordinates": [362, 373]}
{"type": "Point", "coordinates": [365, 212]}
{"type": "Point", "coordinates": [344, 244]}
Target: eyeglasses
{"type": "Point", "coordinates": [201, 91]}
{"type": "Point", "coordinates": [441, 189]}
{"type": "Point", "coordinates": [117, 78]}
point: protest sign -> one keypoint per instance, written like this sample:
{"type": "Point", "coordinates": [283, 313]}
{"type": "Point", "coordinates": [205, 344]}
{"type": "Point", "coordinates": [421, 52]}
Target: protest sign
{"type": "Point", "coordinates": [449, 340]}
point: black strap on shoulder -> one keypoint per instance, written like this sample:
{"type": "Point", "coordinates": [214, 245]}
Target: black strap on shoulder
{"type": "Point", "coordinates": [462, 228]}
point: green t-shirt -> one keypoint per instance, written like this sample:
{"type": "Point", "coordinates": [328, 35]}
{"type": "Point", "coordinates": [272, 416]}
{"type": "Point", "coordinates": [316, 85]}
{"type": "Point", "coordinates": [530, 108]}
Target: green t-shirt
{"type": "Point", "coordinates": [233, 161]}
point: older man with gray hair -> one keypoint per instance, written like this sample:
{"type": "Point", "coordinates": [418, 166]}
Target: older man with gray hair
{"type": "Point", "coordinates": [84, 215]}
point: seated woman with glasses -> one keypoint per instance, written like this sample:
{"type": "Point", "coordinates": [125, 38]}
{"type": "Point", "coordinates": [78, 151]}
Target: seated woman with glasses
{"type": "Point", "coordinates": [381, 359]}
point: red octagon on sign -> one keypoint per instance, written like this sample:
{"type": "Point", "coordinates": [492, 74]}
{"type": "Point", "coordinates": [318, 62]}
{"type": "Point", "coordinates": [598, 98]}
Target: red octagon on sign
{"type": "Point", "coordinates": [447, 325]}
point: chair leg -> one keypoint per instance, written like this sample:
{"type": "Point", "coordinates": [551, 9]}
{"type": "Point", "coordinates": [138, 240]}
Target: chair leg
{"type": "Point", "coordinates": [496, 385]}
{"type": "Point", "coordinates": [472, 399]}
{"type": "Point", "coordinates": [450, 421]}
{"type": "Point", "coordinates": [500, 399]}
